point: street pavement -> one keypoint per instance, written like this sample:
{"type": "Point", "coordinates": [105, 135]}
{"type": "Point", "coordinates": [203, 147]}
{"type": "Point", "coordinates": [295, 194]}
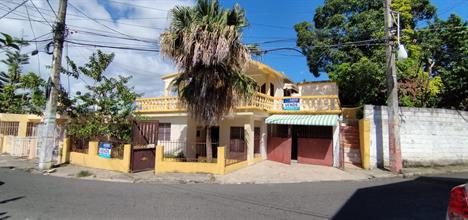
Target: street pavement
{"type": "Point", "coordinates": [32, 196]}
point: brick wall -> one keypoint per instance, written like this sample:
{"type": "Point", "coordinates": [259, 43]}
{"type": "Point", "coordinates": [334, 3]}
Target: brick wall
{"type": "Point", "coordinates": [428, 136]}
{"type": "Point", "coordinates": [350, 142]}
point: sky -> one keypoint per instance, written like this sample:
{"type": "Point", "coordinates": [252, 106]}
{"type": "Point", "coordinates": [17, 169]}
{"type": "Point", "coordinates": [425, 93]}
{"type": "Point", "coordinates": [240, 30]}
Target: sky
{"type": "Point", "coordinates": [138, 23]}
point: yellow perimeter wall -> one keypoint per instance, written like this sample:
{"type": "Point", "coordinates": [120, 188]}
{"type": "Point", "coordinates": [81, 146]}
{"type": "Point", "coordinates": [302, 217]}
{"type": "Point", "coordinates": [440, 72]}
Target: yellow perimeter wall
{"type": "Point", "coordinates": [171, 166]}
{"type": "Point", "coordinates": [91, 159]}
{"type": "Point", "coordinates": [364, 140]}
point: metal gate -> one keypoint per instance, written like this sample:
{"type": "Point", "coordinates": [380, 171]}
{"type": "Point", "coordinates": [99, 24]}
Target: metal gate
{"type": "Point", "coordinates": [144, 140]}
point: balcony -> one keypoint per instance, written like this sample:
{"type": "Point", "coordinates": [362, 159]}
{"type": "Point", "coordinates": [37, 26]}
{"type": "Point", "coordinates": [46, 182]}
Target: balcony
{"type": "Point", "coordinates": [324, 104]}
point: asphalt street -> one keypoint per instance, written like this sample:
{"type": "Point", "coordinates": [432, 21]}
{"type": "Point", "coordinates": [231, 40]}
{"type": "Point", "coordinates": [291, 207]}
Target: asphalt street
{"type": "Point", "coordinates": [32, 196]}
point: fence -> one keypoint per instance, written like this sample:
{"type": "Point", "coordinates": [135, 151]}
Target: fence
{"type": "Point", "coordinates": [236, 152]}
{"type": "Point", "coordinates": [178, 150]}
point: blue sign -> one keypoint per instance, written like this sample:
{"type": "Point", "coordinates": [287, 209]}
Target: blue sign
{"type": "Point", "coordinates": [105, 149]}
{"type": "Point", "coordinates": [292, 104]}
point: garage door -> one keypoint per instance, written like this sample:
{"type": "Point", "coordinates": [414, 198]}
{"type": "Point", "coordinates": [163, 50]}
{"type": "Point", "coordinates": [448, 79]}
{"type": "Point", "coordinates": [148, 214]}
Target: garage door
{"type": "Point", "coordinates": [318, 151]}
{"type": "Point", "coordinates": [279, 149]}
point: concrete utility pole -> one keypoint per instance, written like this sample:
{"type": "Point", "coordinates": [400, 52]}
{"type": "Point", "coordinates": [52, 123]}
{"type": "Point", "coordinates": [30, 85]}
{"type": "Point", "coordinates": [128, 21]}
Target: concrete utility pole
{"type": "Point", "coordinates": [47, 139]}
{"type": "Point", "coordinates": [392, 101]}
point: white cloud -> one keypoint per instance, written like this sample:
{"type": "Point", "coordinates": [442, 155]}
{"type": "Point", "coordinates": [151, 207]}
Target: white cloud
{"type": "Point", "coordinates": [144, 21]}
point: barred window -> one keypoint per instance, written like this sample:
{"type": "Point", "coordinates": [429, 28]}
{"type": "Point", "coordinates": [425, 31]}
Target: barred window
{"type": "Point", "coordinates": [9, 128]}
{"type": "Point", "coordinates": [164, 132]}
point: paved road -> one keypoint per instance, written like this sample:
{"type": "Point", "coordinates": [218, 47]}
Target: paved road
{"type": "Point", "coordinates": [32, 196]}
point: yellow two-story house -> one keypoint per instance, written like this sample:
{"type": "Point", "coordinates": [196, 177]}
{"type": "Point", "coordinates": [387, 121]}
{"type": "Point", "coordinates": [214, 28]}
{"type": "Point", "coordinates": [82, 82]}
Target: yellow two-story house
{"type": "Point", "coordinates": [283, 122]}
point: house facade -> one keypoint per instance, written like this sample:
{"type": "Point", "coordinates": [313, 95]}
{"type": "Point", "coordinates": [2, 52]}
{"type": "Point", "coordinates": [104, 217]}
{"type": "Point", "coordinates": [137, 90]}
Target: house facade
{"type": "Point", "coordinates": [283, 122]}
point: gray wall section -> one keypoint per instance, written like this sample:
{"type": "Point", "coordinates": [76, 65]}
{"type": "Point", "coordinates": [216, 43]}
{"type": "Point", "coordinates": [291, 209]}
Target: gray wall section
{"type": "Point", "coordinates": [428, 136]}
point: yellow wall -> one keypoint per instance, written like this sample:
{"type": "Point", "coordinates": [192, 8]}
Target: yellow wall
{"type": "Point", "coordinates": [171, 166]}
{"type": "Point", "coordinates": [364, 140]}
{"type": "Point", "coordinates": [91, 159]}
{"type": "Point", "coordinates": [350, 113]}
{"type": "Point", "coordinates": [219, 167]}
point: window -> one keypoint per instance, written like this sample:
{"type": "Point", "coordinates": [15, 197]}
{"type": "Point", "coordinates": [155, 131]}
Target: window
{"type": "Point", "coordinates": [237, 133]}
{"type": "Point", "coordinates": [237, 143]}
{"type": "Point", "coordinates": [31, 129]}
{"type": "Point", "coordinates": [272, 89]}
{"type": "Point", "coordinates": [9, 128]}
{"type": "Point", "coordinates": [164, 131]}
{"type": "Point", "coordinates": [263, 88]}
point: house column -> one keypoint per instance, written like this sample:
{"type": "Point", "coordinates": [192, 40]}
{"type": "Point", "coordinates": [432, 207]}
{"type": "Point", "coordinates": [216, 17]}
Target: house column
{"type": "Point", "coordinates": [263, 140]}
{"type": "Point", "coordinates": [249, 138]}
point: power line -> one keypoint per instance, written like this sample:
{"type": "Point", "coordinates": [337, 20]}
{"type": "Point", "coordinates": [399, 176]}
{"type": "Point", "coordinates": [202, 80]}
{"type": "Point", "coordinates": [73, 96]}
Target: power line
{"type": "Point", "coordinates": [34, 35]}
{"type": "Point", "coordinates": [138, 6]}
{"type": "Point", "coordinates": [112, 47]}
{"type": "Point", "coordinates": [51, 8]}
{"type": "Point", "coordinates": [41, 14]}
{"type": "Point", "coordinates": [12, 10]}
{"type": "Point", "coordinates": [112, 29]}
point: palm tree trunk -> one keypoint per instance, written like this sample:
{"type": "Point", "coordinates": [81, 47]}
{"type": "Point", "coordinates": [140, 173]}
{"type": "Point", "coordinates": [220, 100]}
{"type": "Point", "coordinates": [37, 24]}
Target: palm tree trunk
{"type": "Point", "coordinates": [209, 149]}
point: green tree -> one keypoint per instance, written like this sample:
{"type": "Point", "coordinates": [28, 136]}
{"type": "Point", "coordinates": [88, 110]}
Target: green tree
{"type": "Point", "coordinates": [205, 42]}
{"type": "Point", "coordinates": [445, 44]}
{"type": "Point", "coordinates": [105, 110]}
{"type": "Point", "coordinates": [8, 41]}
{"type": "Point", "coordinates": [346, 38]}
{"type": "Point", "coordinates": [19, 92]}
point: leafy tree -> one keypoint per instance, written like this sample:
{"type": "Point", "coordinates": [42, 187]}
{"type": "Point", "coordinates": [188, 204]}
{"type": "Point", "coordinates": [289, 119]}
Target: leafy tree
{"type": "Point", "coordinates": [205, 42]}
{"type": "Point", "coordinates": [20, 93]}
{"type": "Point", "coordinates": [346, 41]}
{"type": "Point", "coordinates": [8, 41]}
{"type": "Point", "coordinates": [105, 111]}
{"type": "Point", "coordinates": [445, 44]}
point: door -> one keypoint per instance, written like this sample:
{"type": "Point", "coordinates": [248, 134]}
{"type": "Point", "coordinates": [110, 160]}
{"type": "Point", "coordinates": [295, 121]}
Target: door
{"type": "Point", "coordinates": [314, 145]}
{"type": "Point", "coordinates": [279, 143]}
{"type": "Point", "coordinates": [144, 139]}
{"type": "Point", "coordinates": [279, 149]}
{"type": "Point", "coordinates": [318, 151]}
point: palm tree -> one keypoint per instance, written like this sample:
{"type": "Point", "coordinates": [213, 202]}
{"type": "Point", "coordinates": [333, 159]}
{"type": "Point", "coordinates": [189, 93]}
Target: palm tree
{"type": "Point", "coordinates": [205, 43]}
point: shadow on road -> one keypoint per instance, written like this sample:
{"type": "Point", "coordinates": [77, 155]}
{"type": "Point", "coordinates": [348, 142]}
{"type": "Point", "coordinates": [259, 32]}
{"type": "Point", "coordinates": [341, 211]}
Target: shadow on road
{"type": "Point", "coordinates": [4, 216]}
{"type": "Point", "coordinates": [421, 198]}
{"type": "Point", "coordinates": [11, 200]}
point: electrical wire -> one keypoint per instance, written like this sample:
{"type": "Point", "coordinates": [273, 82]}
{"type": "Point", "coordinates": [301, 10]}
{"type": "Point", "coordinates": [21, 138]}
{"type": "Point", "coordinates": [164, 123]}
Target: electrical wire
{"type": "Point", "coordinates": [41, 14]}
{"type": "Point", "coordinates": [112, 47]}
{"type": "Point", "coordinates": [112, 29]}
{"type": "Point", "coordinates": [51, 8]}
{"type": "Point", "coordinates": [34, 35]}
{"type": "Point", "coordinates": [12, 10]}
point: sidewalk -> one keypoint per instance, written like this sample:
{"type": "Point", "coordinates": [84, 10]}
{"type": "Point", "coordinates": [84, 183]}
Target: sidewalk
{"type": "Point", "coordinates": [265, 172]}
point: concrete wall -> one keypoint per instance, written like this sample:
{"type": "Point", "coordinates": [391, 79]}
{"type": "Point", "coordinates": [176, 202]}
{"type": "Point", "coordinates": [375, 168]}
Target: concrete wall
{"type": "Point", "coordinates": [318, 88]}
{"type": "Point", "coordinates": [91, 159]}
{"type": "Point", "coordinates": [428, 136]}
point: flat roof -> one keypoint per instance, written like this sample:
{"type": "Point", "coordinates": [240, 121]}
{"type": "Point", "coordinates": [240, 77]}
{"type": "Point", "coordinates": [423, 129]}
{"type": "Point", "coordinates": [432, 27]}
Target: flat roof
{"type": "Point", "coordinates": [261, 66]}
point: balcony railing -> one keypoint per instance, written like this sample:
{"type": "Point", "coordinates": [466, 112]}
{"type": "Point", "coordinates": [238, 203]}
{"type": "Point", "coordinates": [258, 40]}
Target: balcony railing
{"type": "Point", "coordinates": [324, 104]}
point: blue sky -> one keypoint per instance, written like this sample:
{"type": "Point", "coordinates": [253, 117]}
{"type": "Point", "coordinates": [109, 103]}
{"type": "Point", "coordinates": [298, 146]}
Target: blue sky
{"type": "Point", "coordinates": [272, 20]}
{"type": "Point", "coordinates": [138, 24]}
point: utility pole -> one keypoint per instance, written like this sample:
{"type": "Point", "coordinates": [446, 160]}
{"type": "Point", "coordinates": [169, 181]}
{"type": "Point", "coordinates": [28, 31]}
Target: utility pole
{"type": "Point", "coordinates": [48, 133]}
{"type": "Point", "coordinates": [392, 101]}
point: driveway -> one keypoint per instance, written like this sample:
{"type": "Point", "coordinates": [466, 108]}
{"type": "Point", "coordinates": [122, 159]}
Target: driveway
{"type": "Point", "coordinates": [274, 172]}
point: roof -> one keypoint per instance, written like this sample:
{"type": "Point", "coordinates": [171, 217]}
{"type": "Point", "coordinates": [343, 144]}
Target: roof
{"type": "Point", "coordinates": [316, 82]}
{"type": "Point", "coordinates": [260, 66]}
{"type": "Point", "coordinates": [315, 120]}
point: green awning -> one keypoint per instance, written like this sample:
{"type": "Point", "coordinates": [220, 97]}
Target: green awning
{"type": "Point", "coordinates": [316, 120]}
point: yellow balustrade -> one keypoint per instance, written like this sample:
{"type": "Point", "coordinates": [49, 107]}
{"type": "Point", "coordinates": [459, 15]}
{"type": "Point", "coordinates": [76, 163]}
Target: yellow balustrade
{"type": "Point", "coordinates": [259, 102]}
